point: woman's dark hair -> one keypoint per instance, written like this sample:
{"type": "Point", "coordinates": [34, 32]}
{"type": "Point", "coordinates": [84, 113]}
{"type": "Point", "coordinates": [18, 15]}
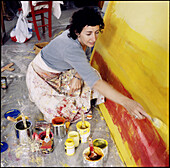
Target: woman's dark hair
{"type": "Point", "coordinates": [86, 16]}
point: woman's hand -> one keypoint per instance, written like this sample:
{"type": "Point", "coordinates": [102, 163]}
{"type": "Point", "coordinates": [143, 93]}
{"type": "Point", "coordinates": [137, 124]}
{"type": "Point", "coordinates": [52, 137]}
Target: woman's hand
{"type": "Point", "coordinates": [75, 84]}
{"type": "Point", "coordinates": [135, 109]}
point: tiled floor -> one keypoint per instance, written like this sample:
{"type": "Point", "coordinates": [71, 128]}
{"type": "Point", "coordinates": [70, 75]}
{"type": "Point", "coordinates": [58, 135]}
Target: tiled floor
{"type": "Point", "coordinates": [21, 55]}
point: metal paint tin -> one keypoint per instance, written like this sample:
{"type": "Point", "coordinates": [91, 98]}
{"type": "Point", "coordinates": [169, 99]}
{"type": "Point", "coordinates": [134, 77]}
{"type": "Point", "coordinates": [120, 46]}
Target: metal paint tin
{"type": "Point", "coordinates": [84, 133]}
{"type": "Point", "coordinates": [23, 135]}
{"type": "Point", "coordinates": [69, 147]}
{"type": "Point", "coordinates": [59, 127]}
{"type": "Point", "coordinates": [93, 163]}
{"type": "Point", "coordinates": [103, 144]}
{"type": "Point", "coordinates": [48, 147]}
{"type": "Point", "coordinates": [42, 125]}
{"type": "Point", "coordinates": [74, 135]}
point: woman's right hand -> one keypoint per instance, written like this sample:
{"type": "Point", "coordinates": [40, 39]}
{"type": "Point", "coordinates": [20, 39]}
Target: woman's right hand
{"type": "Point", "coordinates": [133, 107]}
{"type": "Point", "coordinates": [75, 84]}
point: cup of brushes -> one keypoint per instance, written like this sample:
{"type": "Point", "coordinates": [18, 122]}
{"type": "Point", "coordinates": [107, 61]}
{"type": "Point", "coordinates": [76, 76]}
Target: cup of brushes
{"type": "Point", "coordinates": [83, 128]}
{"type": "Point", "coordinates": [23, 130]}
{"type": "Point", "coordinates": [46, 139]}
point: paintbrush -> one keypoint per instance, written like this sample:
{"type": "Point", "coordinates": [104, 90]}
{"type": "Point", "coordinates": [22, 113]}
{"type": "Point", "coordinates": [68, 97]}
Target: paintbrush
{"type": "Point", "coordinates": [83, 126]}
{"type": "Point", "coordinates": [92, 154]}
{"type": "Point", "coordinates": [159, 124]}
{"type": "Point", "coordinates": [16, 119]}
{"type": "Point", "coordinates": [24, 120]}
{"type": "Point", "coordinates": [47, 137]}
{"type": "Point", "coordinates": [22, 114]}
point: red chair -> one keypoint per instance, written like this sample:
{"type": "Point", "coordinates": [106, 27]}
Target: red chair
{"type": "Point", "coordinates": [41, 12]}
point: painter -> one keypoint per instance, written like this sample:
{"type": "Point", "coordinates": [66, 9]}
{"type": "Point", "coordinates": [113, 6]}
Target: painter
{"type": "Point", "coordinates": [60, 79]}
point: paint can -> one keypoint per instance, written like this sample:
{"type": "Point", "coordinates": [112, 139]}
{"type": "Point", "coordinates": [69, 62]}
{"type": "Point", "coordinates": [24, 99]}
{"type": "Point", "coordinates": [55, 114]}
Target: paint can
{"type": "Point", "coordinates": [42, 125]}
{"type": "Point", "coordinates": [23, 135]}
{"type": "Point", "coordinates": [84, 133]}
{"type": "Point", "coordinates": [93, 163]}
{"type": "Point", "coordinates": [4, 82]}
{"type": "Point", "coordinates": [103, 144]}
{"type": "Point", "coordinates": [46, 147]}
{"type": "Point", "coordinates": [59, 127]}
{"type": "Point", "coordinates": [74, 135]}
{"type": "Point", "coordinates": [69, 147]}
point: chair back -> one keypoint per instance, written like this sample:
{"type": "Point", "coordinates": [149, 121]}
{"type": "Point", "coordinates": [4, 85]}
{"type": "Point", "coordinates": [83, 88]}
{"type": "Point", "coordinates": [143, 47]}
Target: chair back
{"type": "Point", "coordinates": [39, 9]}
{"type": "Point", "coordinates": [43, 10]}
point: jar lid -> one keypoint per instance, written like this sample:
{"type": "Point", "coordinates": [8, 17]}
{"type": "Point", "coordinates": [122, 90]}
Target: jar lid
{"type": "Point", "coordinates": [12, 113]}
{"type": "Point", "coordinates": [69, 142]}
{"type": "Point", "coordinates": [4, 146]}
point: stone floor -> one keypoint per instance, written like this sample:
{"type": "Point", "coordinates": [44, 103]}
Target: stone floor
{"type": "Point", "coordinates": [16, 155]}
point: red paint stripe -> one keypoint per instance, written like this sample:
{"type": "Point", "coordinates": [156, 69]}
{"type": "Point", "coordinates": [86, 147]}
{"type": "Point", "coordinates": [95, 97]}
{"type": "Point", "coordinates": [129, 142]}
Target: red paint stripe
{"type": "Point", "coordinates": [145, 143]}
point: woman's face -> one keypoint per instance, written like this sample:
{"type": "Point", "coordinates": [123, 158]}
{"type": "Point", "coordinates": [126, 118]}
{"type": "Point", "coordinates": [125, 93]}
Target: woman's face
{"type": "Point", "coordinates": [88, 35]}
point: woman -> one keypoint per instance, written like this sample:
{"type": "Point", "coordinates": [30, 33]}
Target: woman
{"type": "Point", "coordinates": [60, 79]}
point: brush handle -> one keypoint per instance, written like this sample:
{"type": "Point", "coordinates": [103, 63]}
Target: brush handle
{"type": "Point", "coordinates": [11, 119]}
{"type": "Point", "coordinates": [24, 120]}
{"type": "Point", "coordinates": [91, 144]}
{"type": "Point", "coordinates": [48, 132]}
{"type": "Point", "coordinates": [47, 137]}
{"type": "Point", "coordinates": [92, 153]}
{"type": "Point", "coordinates": [83, 122]}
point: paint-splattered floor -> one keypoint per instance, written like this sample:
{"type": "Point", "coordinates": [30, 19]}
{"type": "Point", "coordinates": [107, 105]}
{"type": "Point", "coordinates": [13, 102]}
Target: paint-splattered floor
{"type": "Point", "coordinates": [17, 156]}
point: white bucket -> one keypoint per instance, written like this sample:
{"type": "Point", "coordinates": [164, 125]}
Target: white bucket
{"type": "Point", "coordinates": [84, 133]}
{"type": "Point", "coordinates": [93, 163]}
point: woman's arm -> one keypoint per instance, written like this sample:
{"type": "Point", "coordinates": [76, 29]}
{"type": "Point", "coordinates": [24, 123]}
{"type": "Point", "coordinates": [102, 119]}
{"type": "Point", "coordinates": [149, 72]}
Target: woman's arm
{"type": "Point", "coordinates": [109, 92]}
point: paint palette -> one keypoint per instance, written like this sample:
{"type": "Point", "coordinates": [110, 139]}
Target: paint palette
{"type": "Point", "coordinates": [12, 113]}
{"type": "Point", "coordinates": [4, 146]}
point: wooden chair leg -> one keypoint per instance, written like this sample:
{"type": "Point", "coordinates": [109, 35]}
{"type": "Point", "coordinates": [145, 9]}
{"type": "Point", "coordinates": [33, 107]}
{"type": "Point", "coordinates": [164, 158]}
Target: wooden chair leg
{"type": "Point", "coordinates": [49, 24]}
{"type": "Point", "coordinates": [35, 26]}
{"type": "Point", "coordinates": [43, 22]}
{"type": "Point", "coordinates": [2, 24]}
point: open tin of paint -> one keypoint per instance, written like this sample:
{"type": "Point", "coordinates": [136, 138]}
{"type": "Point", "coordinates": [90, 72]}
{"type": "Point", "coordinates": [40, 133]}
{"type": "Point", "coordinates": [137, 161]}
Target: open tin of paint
{"type": "Point", "coordinates": [59, 127]}
{"type": "Point", "coordinates": [48, 147]}
{"type": "Point", "coordinates": [103, 144]}
{"type": "Point", "coordinates": [98, 162]}
{"type": "Point", "coordinates": [83, 132]}
{"type": "Point", "coordinates": [23, 134]}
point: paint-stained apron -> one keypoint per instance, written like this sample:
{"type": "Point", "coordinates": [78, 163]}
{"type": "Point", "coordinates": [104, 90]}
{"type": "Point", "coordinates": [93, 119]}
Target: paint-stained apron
{"type": "Point", "coordinates": [49, 91]}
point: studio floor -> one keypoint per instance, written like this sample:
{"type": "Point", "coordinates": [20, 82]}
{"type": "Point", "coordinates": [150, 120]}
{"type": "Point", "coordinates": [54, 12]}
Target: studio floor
{"type": "Point", "coordinates": [20, 156]}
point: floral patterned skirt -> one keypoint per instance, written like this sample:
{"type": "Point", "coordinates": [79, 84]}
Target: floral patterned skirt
{"type": "Point", "coordinates": [49, 91]}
